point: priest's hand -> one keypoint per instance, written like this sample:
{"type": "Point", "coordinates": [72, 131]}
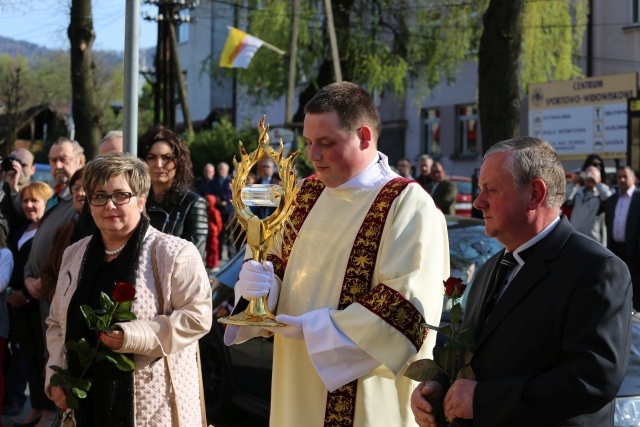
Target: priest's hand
{"type": "Point", "coordinates": [257, 280]}
{"type": "Point", "coordinates": [293, 328]}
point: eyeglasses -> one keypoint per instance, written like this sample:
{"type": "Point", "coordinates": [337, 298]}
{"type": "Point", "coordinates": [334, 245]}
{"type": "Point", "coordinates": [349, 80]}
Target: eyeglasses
{"type": "Point", "coordinates": [120, 198]}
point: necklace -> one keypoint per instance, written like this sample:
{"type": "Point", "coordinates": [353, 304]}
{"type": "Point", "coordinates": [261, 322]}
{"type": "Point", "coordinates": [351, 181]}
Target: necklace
{"type": "Point", "coordinates": [115, 251]}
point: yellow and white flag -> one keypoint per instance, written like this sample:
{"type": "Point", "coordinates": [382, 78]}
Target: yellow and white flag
{"type": "Point", "coordinates": [239, 49]}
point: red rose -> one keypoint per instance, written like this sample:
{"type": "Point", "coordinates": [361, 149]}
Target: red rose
{"type": "Point", "coordinates": [454, 284]}
{"type": "Point", "coordinates": [123, 292]}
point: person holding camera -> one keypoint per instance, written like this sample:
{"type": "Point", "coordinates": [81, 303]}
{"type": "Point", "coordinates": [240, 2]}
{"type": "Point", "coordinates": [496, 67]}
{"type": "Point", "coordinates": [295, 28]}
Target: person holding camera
{"type": "Point", "coordinates": [18, 167]}
{"type": "Point", "coordinates": [588, 203]}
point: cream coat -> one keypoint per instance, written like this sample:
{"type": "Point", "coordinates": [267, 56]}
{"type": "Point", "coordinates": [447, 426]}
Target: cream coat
{"type": "Point", "coordinates": [186, 318]}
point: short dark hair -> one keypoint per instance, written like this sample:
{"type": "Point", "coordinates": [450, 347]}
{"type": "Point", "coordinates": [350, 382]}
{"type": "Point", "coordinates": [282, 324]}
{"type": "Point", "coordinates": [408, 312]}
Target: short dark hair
{"type": "Point", "coordinates": [353, 105]}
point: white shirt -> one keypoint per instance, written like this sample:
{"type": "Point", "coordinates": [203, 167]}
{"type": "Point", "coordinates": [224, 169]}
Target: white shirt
{"type": "Point", "coordinates": [516, 254]}
{"type": "Point", "coordinates": [620, 216]}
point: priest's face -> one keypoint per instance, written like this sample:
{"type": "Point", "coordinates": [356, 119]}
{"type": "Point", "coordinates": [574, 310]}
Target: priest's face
{"type": "Point", "coordinates": [336, 153]}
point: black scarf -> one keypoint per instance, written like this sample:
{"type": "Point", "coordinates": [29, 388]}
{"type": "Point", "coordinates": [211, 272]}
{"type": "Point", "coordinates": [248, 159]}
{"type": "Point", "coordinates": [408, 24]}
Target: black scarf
{"type": "Point", "coordinates": [110, 400]}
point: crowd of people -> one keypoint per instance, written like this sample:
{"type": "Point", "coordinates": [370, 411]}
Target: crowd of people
{"type": "Point", "coordinates": [354, 279]}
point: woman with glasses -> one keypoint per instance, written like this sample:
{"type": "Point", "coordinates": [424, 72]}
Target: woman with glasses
{"type": "Point", "coordinates": [173, 207]}
{"type": "Point", "coordinates": [172, 307]}
{"type": "Point", "coordinates": [24, 311]}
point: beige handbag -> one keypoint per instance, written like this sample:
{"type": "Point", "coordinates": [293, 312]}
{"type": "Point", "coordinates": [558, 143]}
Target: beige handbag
{"type": "Point", "coordinates": [174, 403]}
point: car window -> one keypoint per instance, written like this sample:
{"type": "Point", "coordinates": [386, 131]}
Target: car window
{"type": "Point", "coordinates": [43, 173]}
{"type": "Point", "coordinates": [464, 187]}
{"type": "Point", "coordinates": [469, 248]}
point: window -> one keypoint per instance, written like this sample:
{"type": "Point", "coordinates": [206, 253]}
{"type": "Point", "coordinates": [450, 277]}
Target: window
{"type": "Point", "coordinates": [635, 11]}
{"type": "Point", "coordinates": [183, 26]}
{"type": "Point", "coordinates": [431, 117]}
{"type": "Point", "coordinates": [467, 129]}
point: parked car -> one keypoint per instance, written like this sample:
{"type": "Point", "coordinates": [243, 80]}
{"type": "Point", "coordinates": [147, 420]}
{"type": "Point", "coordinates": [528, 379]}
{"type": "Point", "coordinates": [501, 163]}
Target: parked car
{"type": "Point", "coordinates": [464, 199]}
{"type": "Point", "coordinates": [43, 173]}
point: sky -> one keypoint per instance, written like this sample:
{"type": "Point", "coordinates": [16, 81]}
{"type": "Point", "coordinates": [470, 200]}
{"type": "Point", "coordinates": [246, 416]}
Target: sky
{"type": "Point", "coordinates": [45, 23]}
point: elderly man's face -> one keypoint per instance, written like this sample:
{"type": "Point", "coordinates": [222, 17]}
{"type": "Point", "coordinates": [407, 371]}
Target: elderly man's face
{"type": "Point", "coordinates": [425, 166]}
{"type": "Point", "coordinates": [208, 172]}
{"type": "Point", "coordinates": [504, 207]}
{"type": "Point", "coordinates": [64, 162]}
{"type": "Point", "coordinates": [223, 171]}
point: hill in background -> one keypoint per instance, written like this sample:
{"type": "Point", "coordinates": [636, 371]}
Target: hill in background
{"type": "Point", "coordinates": [34, 52]}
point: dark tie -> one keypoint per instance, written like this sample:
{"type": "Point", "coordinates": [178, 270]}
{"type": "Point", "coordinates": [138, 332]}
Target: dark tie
{"type": "Point", "coordinates": [506, 264]}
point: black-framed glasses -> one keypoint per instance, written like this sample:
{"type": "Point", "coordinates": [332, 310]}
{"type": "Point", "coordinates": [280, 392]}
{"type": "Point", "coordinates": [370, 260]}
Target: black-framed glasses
{"type": "Point", "coordinates": [119, 198]}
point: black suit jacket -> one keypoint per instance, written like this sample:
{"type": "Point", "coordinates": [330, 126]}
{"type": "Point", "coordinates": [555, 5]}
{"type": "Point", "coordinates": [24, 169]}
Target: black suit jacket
{"type": "Point", "coordinates": [632, 228]}
{"type": "Point", "coordinates": [444, 196]}
{"type": "Point", "coordinates": [556, 347]}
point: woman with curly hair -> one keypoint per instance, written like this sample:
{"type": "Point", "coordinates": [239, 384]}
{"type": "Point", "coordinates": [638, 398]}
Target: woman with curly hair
{"type": "Point", "coordinates": [173, 207]}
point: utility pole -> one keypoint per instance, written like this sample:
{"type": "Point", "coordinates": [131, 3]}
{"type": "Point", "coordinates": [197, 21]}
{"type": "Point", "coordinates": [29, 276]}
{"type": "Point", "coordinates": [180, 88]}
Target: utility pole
{"type": "Point", "coordinates": [331, 29]}
{"type": "Point", "coordinates": [167, 63]}
{"type": "Point", "coordinates": [293, 54]}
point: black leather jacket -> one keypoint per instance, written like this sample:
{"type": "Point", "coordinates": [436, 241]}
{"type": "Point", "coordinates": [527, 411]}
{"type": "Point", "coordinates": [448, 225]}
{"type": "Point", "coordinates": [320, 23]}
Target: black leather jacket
{"type": "Point", "coordinates": [185, 216]}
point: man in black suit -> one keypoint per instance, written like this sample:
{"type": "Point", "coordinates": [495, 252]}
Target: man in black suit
{"type": "Point", "coordinates": [552, 338]}
{"type": "Point", "coordinates": [443, 191]}
{"type": "Point", "coordinates": [622, 216]}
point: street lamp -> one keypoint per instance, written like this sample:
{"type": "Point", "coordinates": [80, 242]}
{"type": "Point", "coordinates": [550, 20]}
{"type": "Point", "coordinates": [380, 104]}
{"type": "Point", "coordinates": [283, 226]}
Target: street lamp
{"type": "Point", "coordinates": [116, 107]}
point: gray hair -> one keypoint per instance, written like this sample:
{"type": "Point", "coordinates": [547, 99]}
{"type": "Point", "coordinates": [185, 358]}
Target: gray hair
{"type": "Point", "coordinates": [530, 158]}
{"type": "Point", "coordinates": [77, 148]}
{"type": "Point", "coordinates": [101, 169]}
{"type": "Point", "coordinates": [112, 134]}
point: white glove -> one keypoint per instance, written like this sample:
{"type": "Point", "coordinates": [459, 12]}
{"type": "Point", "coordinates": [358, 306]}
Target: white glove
{"type": "Point", "coordinates": [293, 330]}
{"type": "Point", "coordinates": [257, 280]}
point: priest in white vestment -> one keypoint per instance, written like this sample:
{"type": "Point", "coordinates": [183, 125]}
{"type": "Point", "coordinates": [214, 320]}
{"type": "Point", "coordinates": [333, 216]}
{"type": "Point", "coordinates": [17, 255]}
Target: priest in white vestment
{"type": "Point", "coordinates": [364, 269]}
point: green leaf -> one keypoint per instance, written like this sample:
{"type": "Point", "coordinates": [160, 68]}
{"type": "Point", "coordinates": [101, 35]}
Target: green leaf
{"type": "Point", "coordinates": [455, 314]}
{"type": "Point", "coordinates": [79, 393]}
{"type": "Point", "coordinates": [103, 322]}
{"type": "Point", "coordinates": [466, 373]}
{"type": "Point", "coordinates": [56, 380]}
{"type": "Point", "coordinates": [466, 337]}
{"type": "Point", "coordinates": [446, 330]}
{"type": "Point", "coordinates": [84, 384]}
{"type": "Point", "coordinates": [90, 317]}
{"type": "Point", "coordinates": [56, 369]}
{"type": "Point", "coordinates": [72, 402]}
{"type": "Point", "coordinates": [105, 302]}
{"type": "Point", "coordinates": [121, 361]}
{"type": "Point", "coordinates": [124, 306]}
{"type": "Point", "coordinates": [445, 358]}
{"type": "Point", "coordinates": [423, 370]}
{"type": "Point", "coordinates": [125, 317]}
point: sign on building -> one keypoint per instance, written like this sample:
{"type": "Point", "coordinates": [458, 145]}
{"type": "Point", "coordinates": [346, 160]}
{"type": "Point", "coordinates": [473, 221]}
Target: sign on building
{"type": "Point", "coordinates": [580, 117]}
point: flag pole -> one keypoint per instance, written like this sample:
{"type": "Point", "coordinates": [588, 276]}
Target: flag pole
{"type": "Point", "coordinates": [264, 43]}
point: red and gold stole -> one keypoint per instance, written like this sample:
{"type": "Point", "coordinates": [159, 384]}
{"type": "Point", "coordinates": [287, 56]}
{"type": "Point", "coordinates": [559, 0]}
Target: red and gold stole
{"type": "Point", "coordinates": [382, 300]}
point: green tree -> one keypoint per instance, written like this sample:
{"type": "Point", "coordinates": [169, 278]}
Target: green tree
{"type": "Point", "coordinates": [524, 42]}
{"type": "Point", "coordinates": [87, 116]}
{"type": "Point", "coordinates": [389, 45]}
